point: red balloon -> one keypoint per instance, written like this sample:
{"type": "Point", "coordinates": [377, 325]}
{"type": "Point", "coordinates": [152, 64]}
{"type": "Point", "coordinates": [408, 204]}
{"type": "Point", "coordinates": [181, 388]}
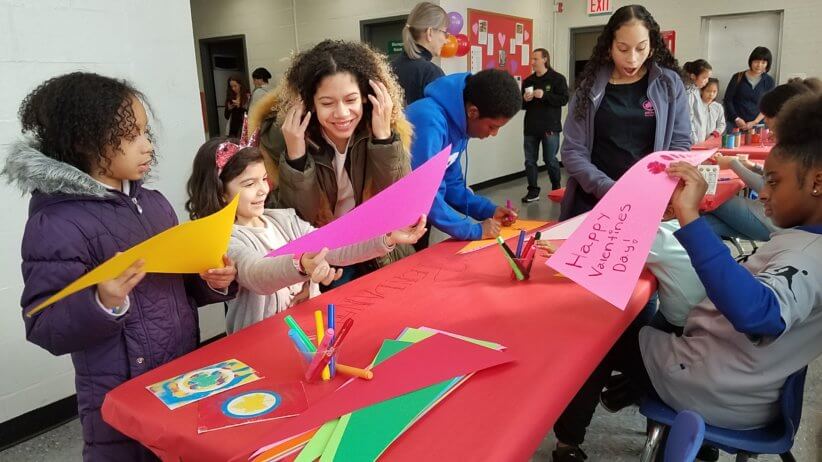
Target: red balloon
{"type": "Point", "coordinates": [462, 44]}
{"type": "Point", "coordinates": [450, 48]}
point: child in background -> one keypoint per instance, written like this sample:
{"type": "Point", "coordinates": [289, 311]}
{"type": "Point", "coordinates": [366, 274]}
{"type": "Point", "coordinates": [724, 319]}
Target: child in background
{"type": "Point", "coordinates": [698, 72]}
{"type": "Point", "coordinates": [92, 148]}
{"type": "Point", "coordinates": [739, 216]}
{"type": "Point", "coordinates": [761, 320]}
{"type": "Point", "coordinates": [223, 169]}
{"type": "Point", "coordinates": [715, 122]}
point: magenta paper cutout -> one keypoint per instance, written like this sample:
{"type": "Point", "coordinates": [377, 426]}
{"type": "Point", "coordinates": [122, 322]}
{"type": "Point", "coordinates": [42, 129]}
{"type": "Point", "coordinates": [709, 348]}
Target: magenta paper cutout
{"type": "Point", "coordinates": [395, 207]}
{"type": "Point", "coordinates": [606, 253]}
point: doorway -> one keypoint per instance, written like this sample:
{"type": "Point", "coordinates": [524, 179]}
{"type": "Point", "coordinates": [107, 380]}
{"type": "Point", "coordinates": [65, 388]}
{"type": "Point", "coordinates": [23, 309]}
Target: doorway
{"type": "Point", "coordinates": [221, 58]}
{"type": "Point", "coordinates": [583, 40]}
{"type": "Point", "coordinates": [729, 39]}
{"type": "Point", "coordinates": [384, 34]}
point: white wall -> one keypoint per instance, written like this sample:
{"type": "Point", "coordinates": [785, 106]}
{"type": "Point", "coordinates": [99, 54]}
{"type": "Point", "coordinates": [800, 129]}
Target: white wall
{"type": "Point", "coordinates": [147, 42]}
{"type": "Point", "coordinates": [268, 26]}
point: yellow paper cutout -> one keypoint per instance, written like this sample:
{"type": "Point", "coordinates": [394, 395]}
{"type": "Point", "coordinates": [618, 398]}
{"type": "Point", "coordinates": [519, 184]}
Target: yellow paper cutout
{"type": "Point", "coordinates": [506, 232]}
{"type": "Point", "coordinates": [191, 247]}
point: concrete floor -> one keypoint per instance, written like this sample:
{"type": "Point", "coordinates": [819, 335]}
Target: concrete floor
{"type": "Point", "coordinates": [611, 437]}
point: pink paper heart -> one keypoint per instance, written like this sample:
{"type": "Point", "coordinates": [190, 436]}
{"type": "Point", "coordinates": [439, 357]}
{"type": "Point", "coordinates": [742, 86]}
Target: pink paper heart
{"type": "Point", "coordinates": [501, 37]}
{"type": "Point", "coordinates": [526, 36]}
{"type": "Point", "coordinates": [475, 28]}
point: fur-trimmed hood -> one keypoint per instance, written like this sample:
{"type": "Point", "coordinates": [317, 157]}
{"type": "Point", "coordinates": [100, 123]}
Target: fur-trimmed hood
{"type": "Point", "coordinates": [31, 170]}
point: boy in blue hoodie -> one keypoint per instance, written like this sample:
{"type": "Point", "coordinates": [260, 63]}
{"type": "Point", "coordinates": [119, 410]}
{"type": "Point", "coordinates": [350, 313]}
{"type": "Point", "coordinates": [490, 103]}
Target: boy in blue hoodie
{"type": "Point", "coordinates": [457, 107]}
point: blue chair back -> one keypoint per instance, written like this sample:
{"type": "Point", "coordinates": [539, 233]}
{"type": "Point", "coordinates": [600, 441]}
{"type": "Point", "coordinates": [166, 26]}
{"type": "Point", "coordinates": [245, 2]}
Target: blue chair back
{"type": "Point", "coordinates": [791, 401]}
{"type": "Point", "coordinates": [685, 437]}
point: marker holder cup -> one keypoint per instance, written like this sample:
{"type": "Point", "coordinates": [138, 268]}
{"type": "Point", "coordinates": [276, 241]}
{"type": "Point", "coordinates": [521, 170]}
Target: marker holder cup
{"type": "Point", "coordinates": [525, 264]}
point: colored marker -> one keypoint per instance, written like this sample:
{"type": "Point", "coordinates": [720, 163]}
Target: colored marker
{"type": "Point", "coordinates": [298, 330]}
{"type": "Point", "coordinates": [508, 204]}
{"type": "Point", "coordinates": [505, 247]}
{"type": "Point", "coordinates": [514, 266]}
{"type": "Point", "coordinates": [332, 325]}
{"type": "Point", "coordinates": [528, 245]}
{"type": "Point", "coordinates": [343, 332]}
{"type": "Point", "coordinates": [520, 242]}
{"type": "Point", "coordinates": [318, 320]}
{"type": "Point", "coordinates": [317, 361]}
{"type": "Point", "coordinates": [292, 334]}
{"type": "Point", "coordinates": [355, 372]}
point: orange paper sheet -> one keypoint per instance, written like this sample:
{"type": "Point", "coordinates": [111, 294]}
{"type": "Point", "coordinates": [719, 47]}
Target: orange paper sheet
{"type": "Point", "coordinates": [507, 232]}
{"type": "Point", "coordinates": [192, 247]}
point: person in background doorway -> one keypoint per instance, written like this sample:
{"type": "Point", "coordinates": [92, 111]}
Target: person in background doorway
{"type": "Point", "coordinates": [260, 76]}
{"type": "Point", "coordinates": [236, 105]}
{"type": "Point", "coordinates": [544, 93]}
{"type": "Point", "coordinates": [422, 38]}
{"type": "Point", "coordinates": [746, 88]}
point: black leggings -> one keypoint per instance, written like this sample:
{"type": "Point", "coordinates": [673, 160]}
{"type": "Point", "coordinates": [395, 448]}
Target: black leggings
{"type": "Point", "coordinates": [624, 357]}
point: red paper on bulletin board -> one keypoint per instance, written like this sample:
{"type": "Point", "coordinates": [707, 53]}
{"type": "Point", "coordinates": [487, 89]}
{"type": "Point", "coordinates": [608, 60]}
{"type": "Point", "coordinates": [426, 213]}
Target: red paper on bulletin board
{"type": "Point", "coordinates": [499, 41]}
{"type": "Point", "coordinates": [669, 37]}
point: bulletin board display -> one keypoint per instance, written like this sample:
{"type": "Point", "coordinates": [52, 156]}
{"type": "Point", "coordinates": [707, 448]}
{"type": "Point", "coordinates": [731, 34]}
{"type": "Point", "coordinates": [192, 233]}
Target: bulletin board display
{"type": "Point", "coordinates": [499, 41]}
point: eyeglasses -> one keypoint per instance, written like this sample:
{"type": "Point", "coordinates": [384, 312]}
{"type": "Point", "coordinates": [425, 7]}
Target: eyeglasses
{"type": "Point", "coordinates": [445, 32]}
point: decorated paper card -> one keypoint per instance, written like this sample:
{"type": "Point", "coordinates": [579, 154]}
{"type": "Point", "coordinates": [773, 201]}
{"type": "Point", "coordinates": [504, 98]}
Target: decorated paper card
{"type": "Point", "coordinates": [267, 401]}
{"type": "Point", "coordinates": [395, 207]}
{"type": "Point", "coordinates": [192, 247]}
{"type": "Point", "coordinates": [506, 232]}
{"type": "Point", "coordinates": [202, 383]}
{"type": "Point", "coordinates": [608, 251]}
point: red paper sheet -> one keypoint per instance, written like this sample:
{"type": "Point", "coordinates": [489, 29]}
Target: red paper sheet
{"type": "Point", "coordinates": [430, 361]}
{"type": "Point", "coordinates": [258, 402]}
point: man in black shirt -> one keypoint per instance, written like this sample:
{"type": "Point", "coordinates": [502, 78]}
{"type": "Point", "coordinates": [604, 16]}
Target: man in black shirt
{"type": "Point", "coordinates": [544, 93]}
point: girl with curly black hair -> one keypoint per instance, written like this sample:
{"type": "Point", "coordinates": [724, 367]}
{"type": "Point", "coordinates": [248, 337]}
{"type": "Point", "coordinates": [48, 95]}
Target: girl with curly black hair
{"type": "Point", "coordinates": [89, 150]}
{"type": "Point", "coordinates": [341, 135]}
{"type": "Point", "coordinates": [631, 101]}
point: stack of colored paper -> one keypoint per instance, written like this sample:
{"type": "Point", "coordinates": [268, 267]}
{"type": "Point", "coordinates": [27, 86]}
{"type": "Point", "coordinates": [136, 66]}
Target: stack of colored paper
{"type": "Point", "coordinates": [365, 434]}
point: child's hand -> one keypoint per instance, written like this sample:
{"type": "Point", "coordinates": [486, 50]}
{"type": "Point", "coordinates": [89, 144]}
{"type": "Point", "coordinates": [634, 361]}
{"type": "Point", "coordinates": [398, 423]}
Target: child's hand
{"type": "Point", "coordinates": [407, 235]}
{"type": "Point", "coordinates": [547, 246]}
{"type": "Point", "coordinates": [505, 216]}
{"type": "Point", "coordinates": [293, 128]}
{"type": "Point", "coordinates": [724, 162]}
{"type": "Point", "coordinates": [490, 229]}
{"type": "Point", "coordinates": [381, 107]}
{"type": "Point", "coordinates": [113, 293]}
{"type": "Point", "coordinates": [688, 193]}
{"type": "Point", "coordinates": [315, 266]}
{"type": "Point", "coordinates": [220, 278]}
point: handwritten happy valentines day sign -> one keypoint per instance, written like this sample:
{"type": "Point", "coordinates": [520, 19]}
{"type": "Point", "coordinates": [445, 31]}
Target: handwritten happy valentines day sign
{"type": "Point", "coordinates": [608, 250]}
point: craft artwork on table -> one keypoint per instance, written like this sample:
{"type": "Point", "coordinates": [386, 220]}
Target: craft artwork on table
{"type": "Point", "coordinates": [608, 249]}
{"type": "Point", "coordinates": [506, 232]}
{"type": "Point", "coordinates": [202, 383]}
{"type": "Point", "coordinates": [241, 407]}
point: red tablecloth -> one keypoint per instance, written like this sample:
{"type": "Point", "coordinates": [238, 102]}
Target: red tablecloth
{"type": "Point", "coordinates": [557, 330]}
{"type": "Point", "coordinates": [755, 152]}
{"type": "Point", "coordinates": [725, 189]}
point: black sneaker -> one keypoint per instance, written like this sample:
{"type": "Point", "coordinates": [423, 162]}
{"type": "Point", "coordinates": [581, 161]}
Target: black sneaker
{"type": "Point", "coordinates": [530, 197]}
{"type": "Point", "coordinates": [708, 453]}
{"type": "Point", "coordinates": [618, 398]}
{"type": "Point", "coordinates": [568, 454]}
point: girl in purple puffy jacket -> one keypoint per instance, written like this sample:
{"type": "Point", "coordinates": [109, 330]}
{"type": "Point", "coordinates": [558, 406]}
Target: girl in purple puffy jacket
{"type": "Point", "coordinates": [89, 150]}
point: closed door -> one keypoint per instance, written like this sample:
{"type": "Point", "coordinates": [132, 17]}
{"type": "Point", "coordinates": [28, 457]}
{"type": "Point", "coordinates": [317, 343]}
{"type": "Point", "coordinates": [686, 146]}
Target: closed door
{"type": "Point", "coordinates": [729, 40]}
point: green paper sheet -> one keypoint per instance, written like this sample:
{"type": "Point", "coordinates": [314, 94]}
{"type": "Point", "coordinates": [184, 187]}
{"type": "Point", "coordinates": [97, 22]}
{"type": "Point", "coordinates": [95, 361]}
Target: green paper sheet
{"type": "Point", "coordinates": [370, 431]}
{"type": "Point", "coordinates": [334, 442]}
{"type": "Point", "coordinates": [413, 335]}
{"type": "Point", "coordinates": [315, 447]}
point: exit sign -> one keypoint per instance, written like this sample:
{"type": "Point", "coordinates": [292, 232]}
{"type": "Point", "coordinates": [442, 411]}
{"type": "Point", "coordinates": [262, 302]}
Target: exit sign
{"type": "Point", "coordinates": [597, 7]}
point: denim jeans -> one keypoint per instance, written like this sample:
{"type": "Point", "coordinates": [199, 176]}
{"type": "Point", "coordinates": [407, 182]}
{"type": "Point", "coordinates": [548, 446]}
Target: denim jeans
{"type": "Point", "coordinates": [735, 219]}
{"type": "Point", "coordinates": [550, 146]}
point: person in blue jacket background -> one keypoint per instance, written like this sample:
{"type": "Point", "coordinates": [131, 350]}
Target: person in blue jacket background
{"type": "Point", "coordinates": [455, 108]}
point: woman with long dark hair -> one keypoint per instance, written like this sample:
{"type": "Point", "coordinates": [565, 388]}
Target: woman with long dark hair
{"type": "Point", "coordinates": [631, 102]}
{"type": "Point", "coordinates": [236, 105]}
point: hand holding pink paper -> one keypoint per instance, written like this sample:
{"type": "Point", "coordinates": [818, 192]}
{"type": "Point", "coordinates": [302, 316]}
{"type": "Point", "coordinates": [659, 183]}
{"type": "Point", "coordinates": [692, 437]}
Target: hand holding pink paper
{"type": "Point", "coordinates": [398, 206]}
{"type": "Point", "coordinates": [607, 252]}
